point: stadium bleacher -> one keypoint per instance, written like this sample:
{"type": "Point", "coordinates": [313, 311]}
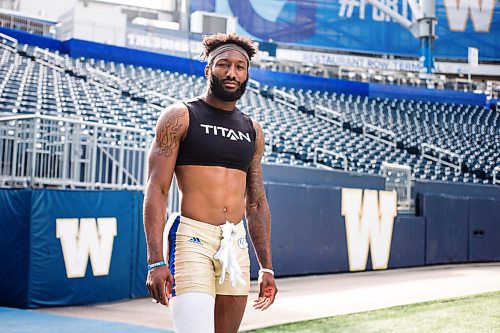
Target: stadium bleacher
{"type": "Point", "coordinates": [36, 82]}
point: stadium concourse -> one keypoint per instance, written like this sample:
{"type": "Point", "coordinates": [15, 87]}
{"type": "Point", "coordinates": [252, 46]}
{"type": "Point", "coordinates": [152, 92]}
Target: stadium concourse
{"type": "Point", "coordinates": [300, 298]}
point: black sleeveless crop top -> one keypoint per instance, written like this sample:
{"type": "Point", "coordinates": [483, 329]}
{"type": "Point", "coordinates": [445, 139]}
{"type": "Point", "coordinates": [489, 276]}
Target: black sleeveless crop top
{"type": "Point", "coordinates": [217, 137]}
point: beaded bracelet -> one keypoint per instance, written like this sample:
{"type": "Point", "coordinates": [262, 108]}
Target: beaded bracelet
{"type": "Point", "coordinates": [156, 264]}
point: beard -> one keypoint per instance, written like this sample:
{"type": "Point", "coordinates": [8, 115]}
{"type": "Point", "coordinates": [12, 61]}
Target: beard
{"type": "Point", "coordinates": [217, 89]}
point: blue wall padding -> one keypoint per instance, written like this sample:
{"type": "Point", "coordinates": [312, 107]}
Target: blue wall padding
{"type": "Point", "coordinates": [254, 264]}
{"type": "Point", "coordinates": [496, 233]}
{"type": "Point", "coordinates": [33, 40]}
{"type": "Point", "coordinates": [308, 240]}
{"type": "Point", "coordinates": [484, 214]}
{"type": "Point", "coordinates": [408, 242]}
{"type": "Point", "coordinates": [457, 189]}
{"type": "Point", "coordinates": [81, 48]}
{"type": "Point", "coordinates": [14, 246]}
{"type": "Point", "coordinates": [301, 81]}
{"type": "Point", "coordinates": [426, 95]}
{"type": "Point", "coordinates": [323, 209]}
{"type": "Point", "coordinates": [447, 231]}
{"type": "Point", "coordinates": [313, 176]}
{"type": "Point", "coordinates": [49, 285]}
{"type": "Point", "coordinates": [139, 257]}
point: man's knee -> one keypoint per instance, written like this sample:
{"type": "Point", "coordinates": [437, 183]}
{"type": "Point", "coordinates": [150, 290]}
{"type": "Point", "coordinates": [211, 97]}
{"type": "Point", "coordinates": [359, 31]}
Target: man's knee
{"type": "Point", "coordinates": [229, 312]}
{"type": "Point", "coordinates": [193, 312]}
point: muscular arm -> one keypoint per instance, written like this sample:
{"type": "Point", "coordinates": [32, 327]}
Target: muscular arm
{"type": "Point", "coordinates": [257, 208]}
{"type": "Point", "coordinates": [170, 129]}
{"type": "Point", "coordinates": [259, 223]}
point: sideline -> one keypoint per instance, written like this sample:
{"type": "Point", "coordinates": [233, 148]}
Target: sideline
{"type": "Point", "coordinates": [313, 297]}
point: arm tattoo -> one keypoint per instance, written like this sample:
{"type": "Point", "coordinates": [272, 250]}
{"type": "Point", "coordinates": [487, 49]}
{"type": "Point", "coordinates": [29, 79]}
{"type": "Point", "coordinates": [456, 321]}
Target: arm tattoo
{"type": "Point", "coordinates": [255, 183]}
{"type": "Point", "coordinates": [167, 133]}
{"type": "Point", "coordinates": [257, 208]}
{"type": "Point", "coordinates": [255, 190]}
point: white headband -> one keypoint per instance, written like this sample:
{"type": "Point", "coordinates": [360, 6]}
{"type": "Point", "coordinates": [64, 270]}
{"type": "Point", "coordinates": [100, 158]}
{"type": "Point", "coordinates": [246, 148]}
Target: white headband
{"type": "Point", "coordinates": [226, 47]}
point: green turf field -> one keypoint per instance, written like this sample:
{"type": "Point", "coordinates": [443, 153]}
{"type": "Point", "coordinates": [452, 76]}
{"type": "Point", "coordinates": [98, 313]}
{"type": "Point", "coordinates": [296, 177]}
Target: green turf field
{"type": "Point", "coordinates": [480, 313]}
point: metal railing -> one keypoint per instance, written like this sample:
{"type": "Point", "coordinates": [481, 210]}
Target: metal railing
{"type": "Point", "coordinates": [376, 133]}
{"type": "Point", "coordinates": [440, 153]}
{"type": "Point", "coordinates": [398, 178]}
{"type": "Point", "coordinates": [40, 151]}
{"type": "Point", "coordinates": [269, 139]}
{"type": "Point", "coordinates": [329, 115]}
{"type": "Point", "coordinates": [152, 94]}
{"type": "Point", "coordinates": [318, 163]}
{"type": "Point", "coordinates": [254, 86]}
{"type": "Point", "coordinates": [174, 198]}
{"type": "Point", "coordinates": [104, 80]}
{"type": "Point", "coordinates": [49, 59]}
{"type": "Point", "coordinates": [4, 43]}
{"type": "Point", "coordinates": [286, 99]}
{"type": "Point", "coordinates": [30, 25]}
{"type": "Point", "coordinates": [496, 171]}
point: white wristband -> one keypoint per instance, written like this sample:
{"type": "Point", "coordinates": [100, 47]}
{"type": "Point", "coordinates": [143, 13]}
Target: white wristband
{"type": "Point", "coordinates": [266, 270]}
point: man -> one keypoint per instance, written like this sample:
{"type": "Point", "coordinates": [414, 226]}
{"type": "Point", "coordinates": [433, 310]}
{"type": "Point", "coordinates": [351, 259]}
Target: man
{"type": "Point", "coordinates": [215, 151]}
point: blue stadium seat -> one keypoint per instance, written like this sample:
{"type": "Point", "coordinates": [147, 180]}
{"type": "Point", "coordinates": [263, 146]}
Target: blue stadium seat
{"type": "Point", "coordinates": [27, 86]}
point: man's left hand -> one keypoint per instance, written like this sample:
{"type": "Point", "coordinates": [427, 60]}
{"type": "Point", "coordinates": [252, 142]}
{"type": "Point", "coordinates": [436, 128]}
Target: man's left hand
{"type": "Point", "coordinates": [267, 291]}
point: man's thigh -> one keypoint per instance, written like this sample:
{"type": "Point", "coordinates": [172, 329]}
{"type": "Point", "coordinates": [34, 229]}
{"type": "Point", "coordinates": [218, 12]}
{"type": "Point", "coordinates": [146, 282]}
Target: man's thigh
{"type": "Point", "coordinates": [229, 312]}
{"type": "Point", "coordinates": [191, 260]}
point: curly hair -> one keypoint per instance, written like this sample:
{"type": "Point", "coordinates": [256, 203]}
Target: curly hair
{"type": "Point", "coordinates": [211, 42]}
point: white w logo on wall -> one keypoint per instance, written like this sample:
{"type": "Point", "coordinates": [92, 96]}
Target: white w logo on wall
{"type": "Point", "coordinates": [369, 219]}
{"type": "Point", "coordinates": [89, 239]}
{"type": "Point", "coordinates": [458, 11]}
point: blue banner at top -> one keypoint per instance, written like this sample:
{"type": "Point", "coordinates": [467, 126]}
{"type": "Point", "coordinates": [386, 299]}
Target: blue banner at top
{"type": "Point", "coordinates": [355, 25]}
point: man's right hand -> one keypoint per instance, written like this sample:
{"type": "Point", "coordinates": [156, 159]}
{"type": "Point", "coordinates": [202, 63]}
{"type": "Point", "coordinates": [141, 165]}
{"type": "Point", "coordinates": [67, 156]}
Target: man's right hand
{"type": "Point", "coordinates": [159, 283]}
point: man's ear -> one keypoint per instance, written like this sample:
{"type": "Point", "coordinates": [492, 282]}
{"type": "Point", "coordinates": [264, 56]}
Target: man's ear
{"type": "Point", "coordinates": [207, 70]}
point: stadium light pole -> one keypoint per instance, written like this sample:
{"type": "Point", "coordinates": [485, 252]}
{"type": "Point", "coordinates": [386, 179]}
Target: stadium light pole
{"type": "Point", "coordinates": [427, 34]}
{"type": "Point", "coordinates": [422, 27]}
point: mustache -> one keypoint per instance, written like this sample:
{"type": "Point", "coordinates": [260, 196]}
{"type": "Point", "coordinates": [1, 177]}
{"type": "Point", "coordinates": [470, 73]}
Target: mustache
{"type": "Point", "coordinates": [231, 80]}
